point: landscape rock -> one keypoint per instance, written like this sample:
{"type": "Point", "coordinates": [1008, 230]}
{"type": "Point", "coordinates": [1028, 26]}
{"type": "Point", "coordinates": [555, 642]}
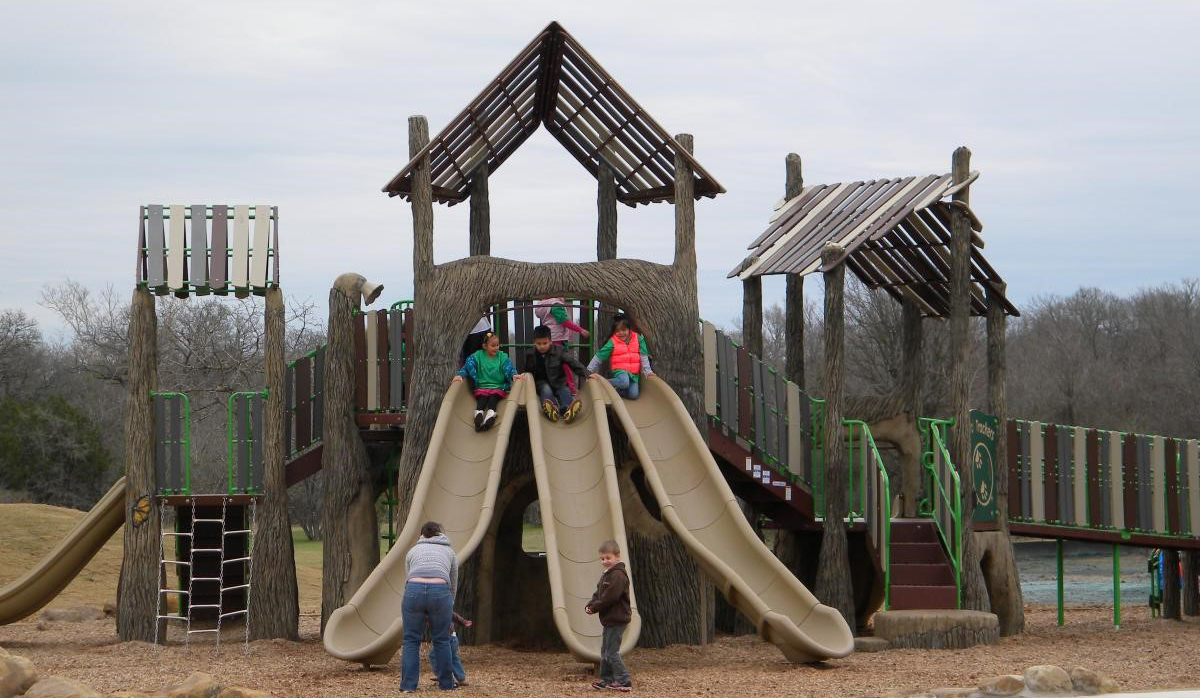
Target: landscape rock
{"type": "Point", "coordinates": [1009, 685]}
{"type": "Point", "coordinates": [937, 629]}
{"type": "Point", "coordinates": [1107, 685]}
{"type": "Point", "coordinates": [75, 614]}
{"type": "Point", "coordinates": [870, 644]}
{"type": "Point", "coordinates": [197, 685]}
{"type": "Point", "coordinates": [1048, 679]}
{"type": "Point", "coordinates": [17, 674]}
{"type": "Point", "coordinates": [1085, 681]}
{"type": "Point", "coordinates": [60, 687]}
{"type": "Point", "coordinates": [953, 692]}
{"type": "Point", "coordinates": [240, 692]}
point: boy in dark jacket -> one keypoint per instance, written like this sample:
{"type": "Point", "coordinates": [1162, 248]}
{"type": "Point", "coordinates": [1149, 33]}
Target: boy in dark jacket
{"type": "Point", "coordinates": [549, 364]}
{"type": "Point", "coordinates": [611, 602]}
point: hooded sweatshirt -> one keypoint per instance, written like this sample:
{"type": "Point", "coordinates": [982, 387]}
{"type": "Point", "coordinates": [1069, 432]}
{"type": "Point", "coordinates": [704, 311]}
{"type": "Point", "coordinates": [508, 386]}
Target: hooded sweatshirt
{"type": "Point", "coordinates": [433, 558]}
{"type": "Point", "coordinates": [611, 600]}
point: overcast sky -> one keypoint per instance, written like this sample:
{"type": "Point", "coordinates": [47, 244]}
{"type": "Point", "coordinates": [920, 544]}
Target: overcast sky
{"type": "Point", "coordinates": [1083, 117]}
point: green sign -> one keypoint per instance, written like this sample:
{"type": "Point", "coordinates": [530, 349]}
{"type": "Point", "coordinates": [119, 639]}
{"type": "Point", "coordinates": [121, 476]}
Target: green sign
{"type": "Point", "coordinates": [983, 463]}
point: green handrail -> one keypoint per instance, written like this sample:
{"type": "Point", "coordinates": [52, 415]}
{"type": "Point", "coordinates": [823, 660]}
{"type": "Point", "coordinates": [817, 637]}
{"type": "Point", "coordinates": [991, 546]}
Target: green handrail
{"type": "Point", "coordinates": [867, 449]}
{"type": "Point", "coordinates": [229, 486]}
{"type": "Point", "coordinates": [185, 441]}
{"type": "Point", "coordinates": [952, 540]}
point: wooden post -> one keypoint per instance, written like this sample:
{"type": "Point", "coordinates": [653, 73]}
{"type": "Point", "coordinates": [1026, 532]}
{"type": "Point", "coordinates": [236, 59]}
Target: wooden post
{"type": "Point", "coordinates": [913, 386]}
{"type": "Point", "coordinates": [794, 300]}
{"type": "Point", "coordinates": [974, 589]}
{"type": "Point", "coordinates": [481, 215]}
{"type": "Point", "coordinates": [1191, 593]}
{"type": "Point", "coordinates": [138, 585]}
{"type": "Point", "coordinates": [1170, 587]}
{"type": "Point", "coordinates": [606, 239]}
{"type": "Point", "coordinates": [421, 202]}
{"type": "Point", "coordinates": [275, 611]}
{"type": "Point", "coordinates": [752, 315]}
{"type": "Point", "coordinates": [834, 587]}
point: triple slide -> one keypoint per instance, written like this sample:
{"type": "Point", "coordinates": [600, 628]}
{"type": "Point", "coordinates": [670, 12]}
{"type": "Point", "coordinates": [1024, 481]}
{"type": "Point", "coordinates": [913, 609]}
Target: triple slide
{"type": "Point", "coordinates": [577, 488]}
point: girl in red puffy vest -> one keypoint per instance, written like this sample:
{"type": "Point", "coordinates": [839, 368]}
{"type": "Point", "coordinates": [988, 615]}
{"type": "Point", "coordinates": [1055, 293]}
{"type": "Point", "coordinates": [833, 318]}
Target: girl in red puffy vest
{"type": "Point", "coordinates": [627, 357]}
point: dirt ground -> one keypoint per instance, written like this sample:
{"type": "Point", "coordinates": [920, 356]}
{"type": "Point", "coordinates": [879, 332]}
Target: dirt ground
{"type": "Point", "coordinates": [1143, 654]}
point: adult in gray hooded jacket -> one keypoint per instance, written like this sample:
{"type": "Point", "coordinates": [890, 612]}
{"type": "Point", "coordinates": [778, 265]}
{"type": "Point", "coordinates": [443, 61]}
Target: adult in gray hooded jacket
{"type": "Point", "coordinates": [430, 582]}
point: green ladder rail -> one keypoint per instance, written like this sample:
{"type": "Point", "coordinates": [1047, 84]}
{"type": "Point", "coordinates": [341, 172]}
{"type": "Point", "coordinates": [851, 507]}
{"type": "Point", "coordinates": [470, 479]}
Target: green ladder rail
{"type": "Point", "coordinates": [875, 495]}
{"type": "Point", "coordinates": [945, 502]}
{"type": "Point", "coordinates": [169, 446]}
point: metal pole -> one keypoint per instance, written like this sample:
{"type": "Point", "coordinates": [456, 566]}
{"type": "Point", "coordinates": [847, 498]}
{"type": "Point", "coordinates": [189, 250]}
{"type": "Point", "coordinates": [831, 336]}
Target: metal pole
{"type": "Point", "coordinates": [1058, 544]}
{"type": "Point", "coordinates": [1116, 585]}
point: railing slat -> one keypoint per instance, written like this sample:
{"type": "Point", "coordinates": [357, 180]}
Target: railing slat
{"type": "Point", "coordinates": [303, 403]}
{"type": "Point", "coordinates": [318, 394]}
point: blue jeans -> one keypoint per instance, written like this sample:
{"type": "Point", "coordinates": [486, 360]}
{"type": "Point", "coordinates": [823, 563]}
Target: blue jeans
{"type": "Point", "coordinates": [560, 397]}
{"type": "Point", "coordinates": [426, 603]}
{"type": "Point", "coordinates": [456, 666]}
{"type": "Point", "coordinates": [625, 385]}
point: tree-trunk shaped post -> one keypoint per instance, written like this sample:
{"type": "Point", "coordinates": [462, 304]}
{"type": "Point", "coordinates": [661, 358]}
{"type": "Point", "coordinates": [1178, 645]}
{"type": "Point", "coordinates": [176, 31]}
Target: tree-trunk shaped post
{"type": "Point", "coordinates": [752, 315]}
{"type": "Point", "coordinates": [481, 213]}
{"type": "Point", "coordinates": [275, 610]}
{"type": "Point", "coordinates": [1170, 585]}
{"type": "Point", "coordinates": [973, 589]}
{"type": "Point", "coordinates": [350, 534]}
{"type": "Point", "coordinates": [834, 586]}
{"type": "Point", "coordinates": [137, 588]}
{"type": "Point", "coordinates": [606, 239]}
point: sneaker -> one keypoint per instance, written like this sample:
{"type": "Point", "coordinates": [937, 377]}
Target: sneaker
{"type": "Point", "coordinates": [622, 687]}
{"type": "Point", "coordinates": [572, 411]}
{"type": "Point", "coordinates": [478, 420]}
{"type": "Point", "coordinates": [599, 684]}
{"type": "Point", "coordinates": [462, 682]}
{"type": "Point", "coordinates": [550, 410]}
{"type": "Point", "coordinates": [488, 420]}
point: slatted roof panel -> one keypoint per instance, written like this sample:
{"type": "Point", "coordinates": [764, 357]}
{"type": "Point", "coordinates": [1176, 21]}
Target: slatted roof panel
{"type": "Point", "coordinates": [554, 82]}
{"type": "Point", "coordinates": [896, 233]}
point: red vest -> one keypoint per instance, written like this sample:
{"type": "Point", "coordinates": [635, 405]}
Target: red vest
{"type": "Point", "coordinates": [626, 356]}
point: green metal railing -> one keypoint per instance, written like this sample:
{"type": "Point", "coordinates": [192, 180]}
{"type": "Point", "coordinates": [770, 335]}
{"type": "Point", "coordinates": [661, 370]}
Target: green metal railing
{"type": "Point", "coordinates": [183, 444]}
{"type": "Point", "coordinates": [875, 495]}
{"type": "Point", "coordinates": [945, 498]}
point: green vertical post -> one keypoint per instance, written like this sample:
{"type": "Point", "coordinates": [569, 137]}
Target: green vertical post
{"type": "Point", "coordinates": [1116, 585]}
{"type": "Point", "coordinates": [1058, 544]}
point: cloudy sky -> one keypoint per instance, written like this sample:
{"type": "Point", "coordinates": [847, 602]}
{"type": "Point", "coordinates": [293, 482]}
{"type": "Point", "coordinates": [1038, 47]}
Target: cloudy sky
{"type": "Point", "coordinates": [1083, 117]}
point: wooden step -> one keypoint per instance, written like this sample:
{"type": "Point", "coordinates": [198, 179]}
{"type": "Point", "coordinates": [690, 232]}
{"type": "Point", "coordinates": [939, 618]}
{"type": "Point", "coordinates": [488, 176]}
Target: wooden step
{"type": "Point", "coordinates": [918, 553]}
{"type": "Point", "coordinates": [913, 531]}
{"type": "Point", "coordinates": [911, 597]}
{"type": "Point", "coordinates": [922, 574]}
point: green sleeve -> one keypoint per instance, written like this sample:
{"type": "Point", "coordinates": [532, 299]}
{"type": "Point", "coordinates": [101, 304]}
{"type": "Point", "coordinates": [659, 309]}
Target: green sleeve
{"type": "Point", "coordinates": [604, 352]}
{"type": "Point", "coordinates": [642, 345]}
{"type": "Point", "coordinates": [559, 314]}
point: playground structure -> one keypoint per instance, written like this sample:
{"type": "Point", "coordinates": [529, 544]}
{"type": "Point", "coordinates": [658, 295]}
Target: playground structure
{"type": "Point", "coordinates": [671, 476]}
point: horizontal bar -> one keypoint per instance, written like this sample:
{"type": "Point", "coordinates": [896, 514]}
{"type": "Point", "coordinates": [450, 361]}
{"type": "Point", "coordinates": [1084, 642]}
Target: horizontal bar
{"type": "Point", "coordinates": [197, 632]}
{"type": "Point", "coordinates": [177, 534]}
{"type": "Point", "coordinates": [232, 533]}
{"type": "Point", "coordinates": [173, 591]}
{"type": "Point", "coordinates": [237, 559]}
{"type": "Point", "coordinates": [173, 617]}
{"type": "Point", "coordinates": [207, 216]}
{"type": "Point", "coordinates": [220, 521]}
{"type": "Point", "coordinates": [205, 605]}
{"type": "Point", "coordinates": [206, 579]}
{"type": "Point", "coordinates": [235, 588]}
{"type": "Point", "coordinates": [233, 613]}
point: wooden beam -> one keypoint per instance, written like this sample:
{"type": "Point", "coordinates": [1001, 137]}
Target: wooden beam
{"type": "Point", "coordinates": [481, 215]}
{"type": "Point", "coordinates": [794, 299]}
{"type": "Point", "coordinates": [752, 315]}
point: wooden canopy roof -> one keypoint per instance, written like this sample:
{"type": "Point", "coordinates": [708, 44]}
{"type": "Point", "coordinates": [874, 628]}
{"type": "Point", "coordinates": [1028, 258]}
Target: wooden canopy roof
{"type": "Point", "coordinates": [896, 233]}
{"type": "Point", "coordinates": [556, 83]}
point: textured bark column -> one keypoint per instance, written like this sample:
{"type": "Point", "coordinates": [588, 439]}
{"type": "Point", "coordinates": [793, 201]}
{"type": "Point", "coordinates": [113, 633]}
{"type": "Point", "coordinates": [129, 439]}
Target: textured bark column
{"type": "Point", "coordinates": [974, 590]}
{"type": "Point", "coordinates": [274, 606]}
{"type": "Point", "coordinates": [834, 587]}
{"type": "Point", "coordinates": [1191, 593]}
{"type": "Point", "coordinates": [137, 589]}
{"type": "Point", "coordinates": [913, 387]}
{"type": "Point", "coordinates": [1000, 571]}
{"type": "Point", "coordinates": [752, 315]}
{"type": "Point", "coordinates": [606, 238]}
{"type": "Point", "coordinates": [1170, 588]}
{"type": "Point", "coordinates": [350, 533]}
{"type": "Point", "coordinates": [481, 213]}
{"type": "Point", "coordinates": [794, 300]}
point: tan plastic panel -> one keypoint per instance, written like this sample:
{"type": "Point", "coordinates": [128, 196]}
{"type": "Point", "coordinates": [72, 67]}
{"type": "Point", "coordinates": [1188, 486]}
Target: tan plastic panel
{"type": "Point", "coordinates": [457, 488]}
{"type": "Point", "coordinates": [33, 590]}
{"type": "Point", "coordinates": [581, 508]}
{"type": "Point", "coordinates": [699, 507]}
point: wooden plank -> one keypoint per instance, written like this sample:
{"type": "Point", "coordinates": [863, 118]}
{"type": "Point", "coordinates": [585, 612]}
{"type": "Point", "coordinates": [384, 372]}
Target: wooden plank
{"type": "Point", "coordinates": [254, 478]}
{"type": "Point", "coordinates": [1096, 494]}
{"type": "Point", "coordinates": [727, 374]}
{"type": "Point", "coordinates": [160, 450]}
{"type": "Point", "coordinates": [259, 246]}
{"type": "Point", "coordinates": [1116, 478]}
{"type": "Point", "coordinates": [1158, 481]}
{"type": "Point", "coordinates": [1193, 479]}
{"type": "Point", "coordinates": [176, 242]}
{"type": "Point", "coordinates": [304, 419]}
{"type": "Point", "coordinates": [244, 446]}
{"type": "Point", "coordinates": [360, 362]}
{"type": "Point", "coordinates": [777, 390]}
{"type": "Point", "coordinates": [381, 353]}
{"type": "Point", "coordinates": [1145, 484]}
{"type": "Point", "coordinates": [139, 267]}
{"type": "Point", "coordinates": [1171, 485]}
{"type": "Point", "coordinates": [1050, 472]}
{"type": "Point", "coordinates": [1026, 472]}
{"type": "Point", "coordinates": [1079, 478]}
{"type": "Point", "coordinates": [1037, 477]}
{"type": "Point", "coordinates": [395, 359]}
{"type": "Point", "coordinates": [175, 446]}
{"type": "Point", "coordinates": [710, 368]}
{"type": "Point", "coordinates": [1129, 487]}
{"type": "Point", "coordinates": [761, 438]}
{"type": "Point", "coordinates": [156, 269]}
{"type": "Point", "coordinates": [795, 430]}
{"type": "Point", "coordinates": [745, 403]}
{"type": "Point", "coordinates": [218, 261]}
{"type": "Point", "coordinates": [198, 276]}
{"type": "Point", "coordinates": [1014, 469]}
{"type": "Point", "coordinates": [409, 354]}
{"type": "Point", "coordinates": [289, 410]}
{"type": "Point", "coordinates": [371, 365]}
{"type": "Point", "coordinates": [1065, 472]}
{"type": "Point", "coordinates": [239, 273]}
{"type": "Point", "coordinates": [318, 394]}
{"type": "Point", "coordinates": [275, 248]}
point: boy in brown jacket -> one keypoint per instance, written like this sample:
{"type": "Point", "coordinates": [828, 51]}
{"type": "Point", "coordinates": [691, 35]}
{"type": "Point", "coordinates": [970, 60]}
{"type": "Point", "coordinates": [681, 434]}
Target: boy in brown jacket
{"type": "Point", "coordinates": [611, 602]}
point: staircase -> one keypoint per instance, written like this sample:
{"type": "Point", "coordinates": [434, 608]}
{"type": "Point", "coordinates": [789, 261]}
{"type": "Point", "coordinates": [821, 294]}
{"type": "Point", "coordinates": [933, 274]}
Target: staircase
{"type": "Point", "coordinates": [921, 574]}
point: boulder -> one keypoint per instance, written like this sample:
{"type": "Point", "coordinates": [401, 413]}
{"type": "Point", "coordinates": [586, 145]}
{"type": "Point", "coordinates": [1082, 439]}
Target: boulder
{"type": "Point", "coordinates": [953, 692]}
{"type": "Point", "coordinates": [1048, 679]}
{"type": "Point", "coordinates": [75, 614]}
{"type": "Point", "coordinates": [17, 674]}
{"type": "Point", "coordinates": [870, 644]}
{"type": "Point", "coordinates": [1085, 681]}
{"type": "Point", "coordinates": [239, 692]}
{"type": "Point", "coordinates": [937, 629]}
{"type": "Point", "coordinates": [1009, 685]}
{"type": "Point", "coordinates": [1107, 685]}
{"type": "Point", "coordinates": [60, 687]}
{"type": "Point", "coordinates": [196, 685]}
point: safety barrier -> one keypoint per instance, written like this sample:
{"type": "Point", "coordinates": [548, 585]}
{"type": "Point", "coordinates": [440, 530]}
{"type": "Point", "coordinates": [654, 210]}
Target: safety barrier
{"type": "Point", "coordinates": [944, 501]}
{"type": "Point", "coordinates": [869, 483]}
{"type": "Point", "coordinates": [192, 249]}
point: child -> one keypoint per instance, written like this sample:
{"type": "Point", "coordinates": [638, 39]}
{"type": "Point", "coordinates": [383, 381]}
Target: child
{"type": "Point", "coordinates": [549, 364]}
{"type": "Point", "coordinates": [553, 315]}
{"type": "Point", "coordinates": [611, 602]}
{"type": "Point", "coordinates": [456, 667]}
{"type": "Point", "coordinates": [627, 355]}
{"type": "Point", "coordinates": [474, 340]}
{"type": "Point", "coordinates": [491, 375]}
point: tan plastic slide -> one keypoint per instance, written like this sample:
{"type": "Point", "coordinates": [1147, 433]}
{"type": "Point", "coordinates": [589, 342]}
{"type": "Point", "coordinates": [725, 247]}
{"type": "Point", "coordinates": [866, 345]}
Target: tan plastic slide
{"type": "Point", "coordinates": [456, 488]}
{"type": "Point", "coordinates": [699, 507]}
{"type": "Point", "coordinates": [54, 572]}
{"type": "Point", "coordinates": [581, 508]}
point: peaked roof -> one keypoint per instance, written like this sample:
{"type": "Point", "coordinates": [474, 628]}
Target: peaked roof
{"type": "Point", "coordinates": [896, 233]}
{"type": "Point", "coordinates": [556, 83]}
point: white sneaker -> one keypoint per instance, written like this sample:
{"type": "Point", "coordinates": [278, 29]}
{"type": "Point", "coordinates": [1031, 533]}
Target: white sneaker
{"type": "Point", "coordinates": [489, 419]}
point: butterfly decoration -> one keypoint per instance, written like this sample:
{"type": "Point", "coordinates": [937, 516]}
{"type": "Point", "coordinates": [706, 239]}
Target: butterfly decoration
{"type": "Point", "coordinates": [141, 511]}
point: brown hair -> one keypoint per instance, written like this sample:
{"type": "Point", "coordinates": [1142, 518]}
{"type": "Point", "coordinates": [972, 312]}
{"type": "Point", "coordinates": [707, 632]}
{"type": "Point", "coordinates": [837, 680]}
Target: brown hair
{"type": "Point", "coordinates": [429, 529]}
{"type": "Point", "coordinates": [610, 546]}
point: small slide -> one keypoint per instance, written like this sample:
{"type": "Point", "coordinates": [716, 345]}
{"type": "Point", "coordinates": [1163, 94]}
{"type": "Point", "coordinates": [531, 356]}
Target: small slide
{"type": "Point", "coordinates": [48, 578]}
{"type": "Point", "coordinates": [699, 507]}
{"type": "Point", "coordinates": [581, 508]}
{"type": "Point", "coordinates": [457, 488]}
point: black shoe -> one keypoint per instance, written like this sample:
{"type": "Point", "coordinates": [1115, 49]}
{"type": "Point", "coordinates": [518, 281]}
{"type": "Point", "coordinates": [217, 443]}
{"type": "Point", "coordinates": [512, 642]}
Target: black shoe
{"type": "Point", "coordinates": [599, 685]}
{"type": "Point", "coordinates": [622, 687]}
{"type": "Point", "coordinates": [478, 420]}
